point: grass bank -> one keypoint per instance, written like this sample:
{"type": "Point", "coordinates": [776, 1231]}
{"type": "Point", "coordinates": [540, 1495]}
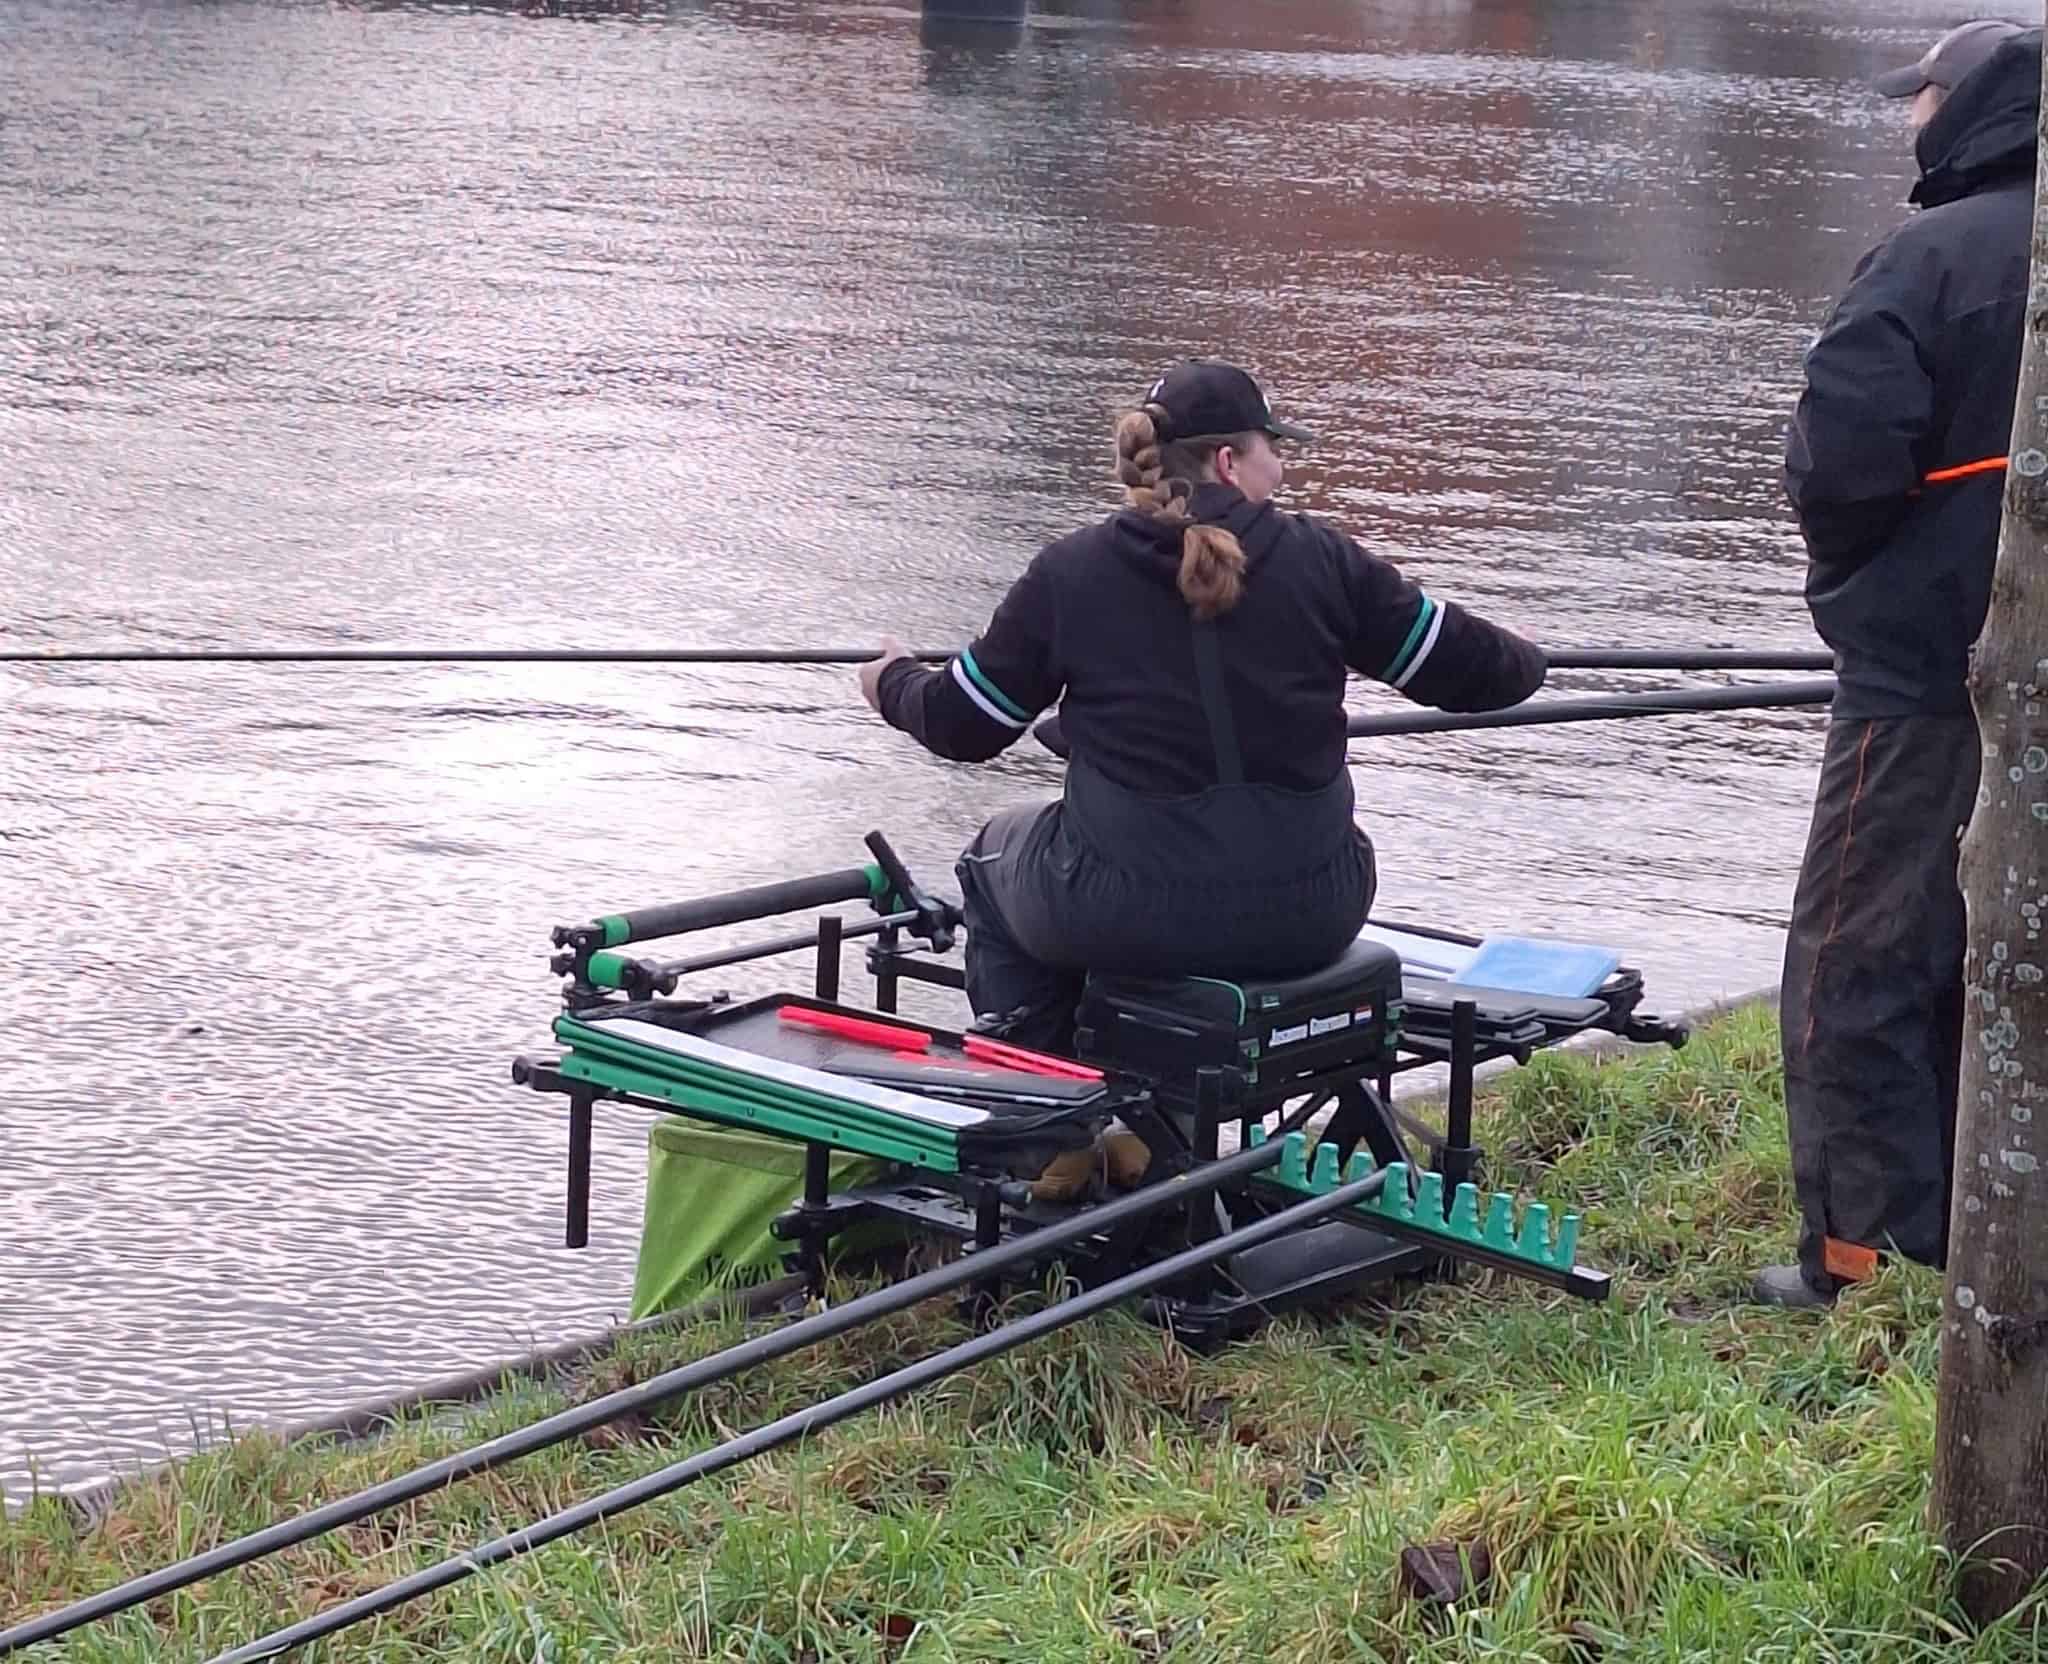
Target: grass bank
{"type": "Point", "coordinates": [1672, 1475]}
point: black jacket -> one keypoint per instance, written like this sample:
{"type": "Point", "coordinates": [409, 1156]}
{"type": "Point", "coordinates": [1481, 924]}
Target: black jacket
{"type": "Point", "coordinates": [1097, 624]}
{"type": "Point", "coordinates": [1916, 371]}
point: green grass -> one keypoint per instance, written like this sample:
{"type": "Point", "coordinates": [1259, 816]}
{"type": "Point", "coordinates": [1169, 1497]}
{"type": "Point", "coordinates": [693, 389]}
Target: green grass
{"type": "Point", "coordinates": [1671, 1475]}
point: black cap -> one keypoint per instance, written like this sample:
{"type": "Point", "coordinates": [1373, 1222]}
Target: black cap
{"type": "Point", "coordinates": [1205, 399]}
{"type": "Point", "coordinates": [1949, 59]}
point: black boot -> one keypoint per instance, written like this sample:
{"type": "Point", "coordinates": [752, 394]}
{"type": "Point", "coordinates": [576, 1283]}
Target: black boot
{"type": "Point", "coordinates": [1786, 1285]}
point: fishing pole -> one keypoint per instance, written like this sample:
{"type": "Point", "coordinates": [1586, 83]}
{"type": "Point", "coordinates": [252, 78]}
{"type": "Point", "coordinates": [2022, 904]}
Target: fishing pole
{"type": "Point", "coordinates": [1563, 658]}
{"type": "Point", "coordinates": [657, 1389]}
{"type": "Point", "coordinates": [1680, 658]}
{"type": "Point", "coordinates": [460, 655]}
{"type": "Point", "coordinates": [803, 1423]}
{"type": "Point", "coordinates": [1051, 734]}
{"type": "Point", "coordinates": [1537, 713]}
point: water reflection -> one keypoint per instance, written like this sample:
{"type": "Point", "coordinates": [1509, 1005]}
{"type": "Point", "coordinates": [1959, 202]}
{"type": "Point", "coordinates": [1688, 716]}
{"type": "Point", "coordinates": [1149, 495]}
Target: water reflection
{"type": "Point", "coordinates": [966, 43]}
{"type": "Point", "coordinates": [771, 323]}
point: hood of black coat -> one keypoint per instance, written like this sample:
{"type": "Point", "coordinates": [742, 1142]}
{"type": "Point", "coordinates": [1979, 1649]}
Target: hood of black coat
{"type": "Point", "coordinates": [1984, 132]}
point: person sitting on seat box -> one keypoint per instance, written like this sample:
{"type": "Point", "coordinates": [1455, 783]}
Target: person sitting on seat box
{"type": "Point", "coordinates": [1197, 644]}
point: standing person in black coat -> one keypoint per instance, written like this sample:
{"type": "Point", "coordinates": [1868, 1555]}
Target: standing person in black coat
{"type": "Point", "coordinates": [1197, 644]}
{"type": "Point", "coordinates": [1894, 465]}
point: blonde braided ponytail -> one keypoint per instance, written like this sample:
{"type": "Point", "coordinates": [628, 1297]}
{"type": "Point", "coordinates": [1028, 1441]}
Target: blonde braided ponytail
{"type": "Point", "coordinates": [1158, 478]}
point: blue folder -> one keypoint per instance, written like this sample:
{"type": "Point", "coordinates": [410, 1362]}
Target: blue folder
{"type": "Point", "coordinates": [1529, 965]}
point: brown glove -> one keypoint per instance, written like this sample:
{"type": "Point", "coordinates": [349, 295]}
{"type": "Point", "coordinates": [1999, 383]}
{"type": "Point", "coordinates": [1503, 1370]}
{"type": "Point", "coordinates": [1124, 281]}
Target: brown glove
{"type": "Point", "coordinates": [1071, 1173]}
{"type": "Point", "coordinates": [1128, 1157]}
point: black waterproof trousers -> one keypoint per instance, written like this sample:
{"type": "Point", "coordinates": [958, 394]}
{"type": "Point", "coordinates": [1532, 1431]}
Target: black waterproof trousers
{"type": "Point", "coordinates": [1873, 993]}
{"type": "Point", "coordinates": [1104, 881]}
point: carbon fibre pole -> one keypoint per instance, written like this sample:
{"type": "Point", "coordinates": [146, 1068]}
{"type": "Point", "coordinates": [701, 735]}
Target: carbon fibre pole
{"type": "Point", "coordinates": [802, 1423]}
{"type": "Point", "coordinates": [1563, 658]}
{"type": "Point", "coordinates": [1537, 713]}
{"type": "Point", "coordinates": [655, 1390]}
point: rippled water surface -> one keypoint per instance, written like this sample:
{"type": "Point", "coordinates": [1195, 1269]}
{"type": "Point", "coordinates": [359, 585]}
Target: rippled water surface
{"type": "Point", "coordinates": [763, 323]}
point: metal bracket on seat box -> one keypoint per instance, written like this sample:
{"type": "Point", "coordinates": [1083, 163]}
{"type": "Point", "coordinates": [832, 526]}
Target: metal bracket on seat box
{"type": "Point", "coordinates": [543, 1074]}
{"type": "Point", "coordinates": [1648, 1030]}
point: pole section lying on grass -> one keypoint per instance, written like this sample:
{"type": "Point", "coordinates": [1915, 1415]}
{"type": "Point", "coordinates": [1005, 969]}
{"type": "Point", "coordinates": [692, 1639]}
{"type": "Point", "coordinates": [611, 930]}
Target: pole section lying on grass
{"type": "Point", "coordinates": [802, 1423]}
{"type": "Point", "coordinates": [658, 1389]}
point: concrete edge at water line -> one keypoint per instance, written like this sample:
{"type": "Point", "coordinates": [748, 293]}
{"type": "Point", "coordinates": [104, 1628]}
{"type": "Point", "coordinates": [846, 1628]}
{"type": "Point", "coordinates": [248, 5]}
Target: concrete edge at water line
{"type": "Point", "coordinates": [92, 1503]}
{"type": "Point", "coordinates": [361, 1421]}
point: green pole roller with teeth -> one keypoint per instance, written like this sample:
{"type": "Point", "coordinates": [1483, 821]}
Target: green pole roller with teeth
{"type": "Point", "coordinates": [1413, 1206]}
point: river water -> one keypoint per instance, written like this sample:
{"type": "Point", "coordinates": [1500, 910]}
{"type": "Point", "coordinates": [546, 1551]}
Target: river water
{"type": "Point", "coordinates": [771, 323]}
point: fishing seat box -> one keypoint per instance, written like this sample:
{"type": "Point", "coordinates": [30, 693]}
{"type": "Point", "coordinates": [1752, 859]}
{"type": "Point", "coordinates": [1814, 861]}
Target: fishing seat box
{"type": "Point", "coordinates": [1268, 1031]}
{"type": "Point", "coordinates": [712, 1193]}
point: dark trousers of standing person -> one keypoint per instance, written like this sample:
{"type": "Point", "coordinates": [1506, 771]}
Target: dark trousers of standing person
{"type": "Point", "coordinates": [1873, 994]}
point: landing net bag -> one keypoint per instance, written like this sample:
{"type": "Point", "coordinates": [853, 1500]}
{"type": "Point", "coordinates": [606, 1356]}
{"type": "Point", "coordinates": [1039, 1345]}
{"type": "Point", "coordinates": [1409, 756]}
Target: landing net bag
{"type": "Point", "coordinates": [711, 1195]}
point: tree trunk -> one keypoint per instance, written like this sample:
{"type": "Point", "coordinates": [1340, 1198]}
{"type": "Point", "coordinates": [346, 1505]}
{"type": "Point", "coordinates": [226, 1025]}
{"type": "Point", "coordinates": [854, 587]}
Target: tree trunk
{"type": "Point", "coordinates": [1991, 1461]}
